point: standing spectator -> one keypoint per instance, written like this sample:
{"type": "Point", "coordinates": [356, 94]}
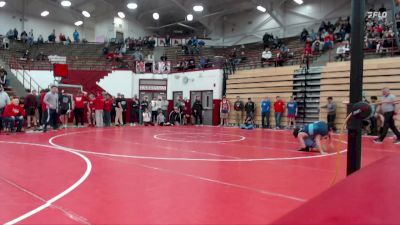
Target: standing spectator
{"type": "Point", "coordinates": [198, 111]}
{"type": "Point", "coordinates": [154, 110]}
{"type": "Point", "coordinates": [108, 102]}
{"type": "Point", "coordinates": [3, 77]}
{"type": "Point", "coordinates": [43, 107]}
{"type": "Point", "coordinates": [76, 36]}
{"type": "Point", "coordinates": [6, 43]}
{"type": "Point", "coordinates": [15, 34]}
{"type": "Point", "coordinates": [388, 107]}
{"type": "Point", "coordinates": [143, 106]}
{"type": "Point", "coordinates": [10, 35]}
{"type": "Point", "coordinates": [79, 108]}
{"type": "Point", "coordinates": [279, 107]}
{"type": "Point", "coordinates": [4, 101]}
{"type": "Point", "coordinates": [51, 101]}
{"type": "Point", "coordinates": [164, 106]}
{"type": "Point", "coordinates": [135, 111]}
{"type": "Point", "coordinates": [119, 111]}
{"type": "Point", "coordinates": [225, 108]}
{"type": "Point", "coordinates": [91, 110]}
{"type": "Point", "coordinates": [31, 105]}
{"type": "Point", "coordinates": [65, 106]}
{"type": "Point", "coordinates": [30, 38]}
{"type": "Point", "coordinates": [331, 107]}
{"type": "Point", "coordinates": [292, 112]}
{"type": "Point", "coordinates": [99, 103]}
{"type": "Point", "coordinates": [52, 37]}
{"type": "Point", "coordinates": [40, 39]}
{"type": "Point", "coordinates": [265, 56]}
{"type": "Point", "coordinates": [238, 107]}
{"type": "Point", "coordinates": [13, 114]}
{"type": "Point", "coordinates": [250, 108]}
{"type": "Point", "coordinates": [265, 112]}
{"type": "Point", "coordinates": [124, 105]}
{"type": "Point", "coordinates": [24, 37]}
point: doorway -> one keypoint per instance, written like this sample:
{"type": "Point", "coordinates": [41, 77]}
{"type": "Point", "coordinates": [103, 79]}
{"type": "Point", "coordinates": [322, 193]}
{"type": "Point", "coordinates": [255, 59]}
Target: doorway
{"type": "Point", "coordinates": [208, 104]}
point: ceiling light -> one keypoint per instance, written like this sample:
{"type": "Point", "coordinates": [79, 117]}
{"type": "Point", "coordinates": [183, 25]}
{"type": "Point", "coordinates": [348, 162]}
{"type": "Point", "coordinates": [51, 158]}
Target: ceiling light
{"type": "Point", "coordinates": [44, 13]}
{"type": "Point", "coordinates": [121, 15]}
{"type": "Point", "coordinates": [66, 3]}
{"type": "Point", "coordinates": [78, 23]}
{"type": "Point", "coordinates": [198, 8]}
{"type": "Point", "coordinates": [261, 9]}
{"type": "Point", "coordinates": [298, 1]}
{"type": "Point", "coordinates": [189, 17]}
{"type": "Point", "coordinates": [2, 4]}
{"type": "Point", "coordinates": [86, 14]}
{"type": "Point", "coordinates": [132, 5]}
{"type": "Point", "coordinates": [156, 16]}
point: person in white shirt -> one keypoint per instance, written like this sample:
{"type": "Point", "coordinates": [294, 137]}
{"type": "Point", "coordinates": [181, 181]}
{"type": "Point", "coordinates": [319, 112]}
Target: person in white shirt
{"type": "Point", "coordinates": [154, 110]}
{"type": "Point", "coordinates": [265, 56]}
{"type": "Point", "coordinates": [147, 118]}
{"type": "Point", "coordinates": [160, 118]}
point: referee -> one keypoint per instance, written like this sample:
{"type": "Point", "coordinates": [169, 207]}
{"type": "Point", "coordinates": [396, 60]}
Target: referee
{"type": "Point", "coordinates": [388, 108]}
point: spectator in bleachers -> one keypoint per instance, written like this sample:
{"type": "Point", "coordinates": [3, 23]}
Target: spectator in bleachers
{"type": "Point", "coordinates": [68, 42]}
{"type": "Point", "coordinates": [13, 115]}
{"type": "Point", "coordinates": [317, 46]}
{"type": "Point", "coordinates": [312, 35]}
{"type": "Point", "coordinates": [167, 41]}
{"type": "Point", "coordinates": [3, 77]}
{"type": "Point", "coordinates": [30, 38]}
{"type": "Point", "coordinates": [10, 35]}
{"type": "Point", "coordinates": [40, 39]}
{"type": "Point", "coordinates": [52, 37]}
{"type": "Point", "coordinates": [76, 36]}
{"type": "Point", "coordinates": [342, 52]}
{"type": "Point", "coordinates": [265, 112]}
{"type": "Point", "coordinates": [24, 37]}
{"type": "Point", "coordinates": [304, 35]}
{"type": "Point", "coordinates": [265, 56]}
{"type": "Point", "coordinates": [31, 106]}
{"type": "Point", "coordinates": [279, 107]}
{"type": "Point", "coordinates": [267, 38]}
{"type": "Point", "coordinates": [62, 38]}
{"type": "Point", "coordinates": [15, 34]}
{"type": "Point", "coordinates": [4, 101]}
{"type": "Point", "coordinates": [6, 43]}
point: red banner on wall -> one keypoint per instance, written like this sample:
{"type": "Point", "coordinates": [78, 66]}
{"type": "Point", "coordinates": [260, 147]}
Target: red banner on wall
{"type": "Point", "coordinates": [60, 70]}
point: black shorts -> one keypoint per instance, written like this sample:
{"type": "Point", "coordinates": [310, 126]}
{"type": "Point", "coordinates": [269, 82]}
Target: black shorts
{"type": "Point", "coordinates": [63, 111]}
{"type": "Point", "coordinates": [31, 111]}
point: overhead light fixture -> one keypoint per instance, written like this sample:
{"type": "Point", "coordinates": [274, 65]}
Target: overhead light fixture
{"type": "Point", "coordinates": [2, 4]}
{"type": "Point", "coordinates": [189, 17]}
{"type": "Point", "coordinates": [299, 1]}
{"type": "Point", "coordinates": [198, 8]}
{"type": "Point", "coordinates": [44, 13]}
{"type": "Point", "coordinates": [121, 15]}
{"type": "Point", "coordinates": [156, 16]}
{"type": "Point", "coordinates": [86, 14]}
{"type": "Point", "coordinates": [132, 5]}
{"type": "Point", "coordinates": [78, 23]}
{"type": "Point", "coordinates": [261, 9]}
{"type": "Point", "coordinates": [66, 3]}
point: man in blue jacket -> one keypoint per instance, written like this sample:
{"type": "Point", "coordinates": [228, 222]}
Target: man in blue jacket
{"type": "Point", "coordinates": [265, 111]}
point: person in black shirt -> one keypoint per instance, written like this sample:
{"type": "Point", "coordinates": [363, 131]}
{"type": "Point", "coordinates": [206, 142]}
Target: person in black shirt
{"type": "Point", "coordinates": [65, 106]}
{"type": "Point", "coordinates": [143, 106]}
{"type": "Point", "coordinates": [119, 111]}
{"type": "Point", "coordinates": [175, 117]}
{"type": "Point", "coordinates": [135, 111]}
{"type": "Point", "coordinates": [250, 108]}
{"type": "Point", "coordinates": [124, 106]}
{"type": "Point", "coordinates": [198, 110]}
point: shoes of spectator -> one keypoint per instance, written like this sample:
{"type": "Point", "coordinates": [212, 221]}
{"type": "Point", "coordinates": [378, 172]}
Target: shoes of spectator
{"type": "Point", "coordinates": [306, 149]}
{"type": "Point", "coordinates": [377, 141]}
{"type": "Point", "coordinates": [397, 141]}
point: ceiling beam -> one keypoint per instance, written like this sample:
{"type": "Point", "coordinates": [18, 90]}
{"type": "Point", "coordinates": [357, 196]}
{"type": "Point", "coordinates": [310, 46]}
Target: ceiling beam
{"type": "Point", "coordinates": [187, 11]}
{"type": "Point", "coordinates": [302, 15]}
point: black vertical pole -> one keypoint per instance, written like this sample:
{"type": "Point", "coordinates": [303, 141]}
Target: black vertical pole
{"type": "Point", "coordinates": [356, 84]}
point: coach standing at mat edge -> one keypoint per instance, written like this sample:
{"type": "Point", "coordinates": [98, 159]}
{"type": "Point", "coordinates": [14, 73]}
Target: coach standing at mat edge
{"type": "Point", "coordinates": [51, 101]}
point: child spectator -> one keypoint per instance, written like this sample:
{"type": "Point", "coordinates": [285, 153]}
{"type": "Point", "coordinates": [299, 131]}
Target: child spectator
{"type": "Point", "coordinates": [224, 111]}
{"type": "Point", "coordinates": [279, 107]}
{"type": "Point", "coordinates": [175, 117]}
{"type": "Point", "coordinates": [292, 112]}
{"type": "Point", "coordinates": [160, 118]}
{"type": "Point", "coordinates": [248, 124]}
{"type": "Point", "coordinates": [147, 118]}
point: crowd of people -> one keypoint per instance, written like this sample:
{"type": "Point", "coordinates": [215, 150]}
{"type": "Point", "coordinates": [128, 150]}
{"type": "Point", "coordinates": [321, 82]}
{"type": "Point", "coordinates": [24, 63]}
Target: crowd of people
{"type": "Point", "coordinates": [379, 33]}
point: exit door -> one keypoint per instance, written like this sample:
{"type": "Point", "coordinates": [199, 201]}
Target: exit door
{"type": "Point", "coordinates": [206, 98]}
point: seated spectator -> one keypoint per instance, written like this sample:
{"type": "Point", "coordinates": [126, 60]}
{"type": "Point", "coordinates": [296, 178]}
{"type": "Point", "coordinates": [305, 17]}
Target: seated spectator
{"type": "Point", "coordinates": [6, 43]}
{"type": "Point", "coordinates": [62, 38]}
{"type": "Point", "coordinates": [52, 37]}
{"type": "Point", "coordinates": [147, 118]}
{"type": "Point", "coordinates": [41, 57]}
{"type": "Point", "coordinates": [76, 36]}
{"type": "Point", "coordinates": [68, 41]}
{"type": "Point", "coordinates": [202, 63]}
{"type": "Point", "coordinates": [30, 38]}
{"type": "Point", "coordinates": [167, 41]}
{"type": "Point", "coordinates": [24, 37]}
{"type": "Point", "coordinates": [317, 46]}
{"type": "Point", "coordinates": [328, 41]}
{"type": "Point", "coordinates": [265, 56]}
{"type": "Point", "coordinates": [105, 50]}
{"type": "Point", "coordinates": [248, 124]}
{"type": "Point", "coordinates": [313, 35]}
{"type": "Point", "coordinates": [304, 35]}
{"type": "Point", "coordinates": [10, 35]}
{"type": "Point", "coordinates": [160, 118]}
{"type": "Point", "coordinates": [13, 115]}
{"type": "Point", "coordinates": [342, 52]}
{"type": "Point", "coordinates": [3, 77]}
{"type": "Point", "coordinates": [175, 117]}
{"type": "Point", "coordinates": [138, 55]}
{"type": "Point", "coordinates": [40, 39]}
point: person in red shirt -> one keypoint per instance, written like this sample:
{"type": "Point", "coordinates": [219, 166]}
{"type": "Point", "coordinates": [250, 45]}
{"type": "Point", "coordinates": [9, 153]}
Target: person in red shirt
{"type": "Point", "coordinates": [30, 108]}
{"type": "Point", "coordinates": [79, 108]}
{"type": "Point", "coordinates": [14, 115]}
{"type": "Point", "coordinates": [279, 107]}
{"type": "Point", "coordinates": [99, 109]}
{"type": "Point", "coordinates": [107, 110]}
{"type": "Point", "coordinates": [91, 110]}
